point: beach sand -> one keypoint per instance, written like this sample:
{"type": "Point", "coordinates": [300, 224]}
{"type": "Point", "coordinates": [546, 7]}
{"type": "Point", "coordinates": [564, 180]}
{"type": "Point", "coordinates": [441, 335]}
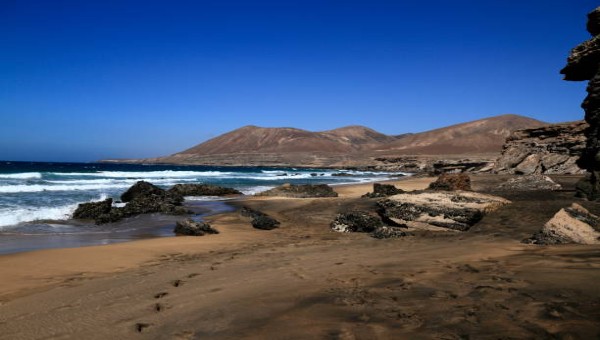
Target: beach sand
{"type": "Point", "coordinates": [303, 281]}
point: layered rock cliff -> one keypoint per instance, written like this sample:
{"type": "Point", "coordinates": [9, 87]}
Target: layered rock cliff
{"type": "Point", "coordinates": [553, 149]}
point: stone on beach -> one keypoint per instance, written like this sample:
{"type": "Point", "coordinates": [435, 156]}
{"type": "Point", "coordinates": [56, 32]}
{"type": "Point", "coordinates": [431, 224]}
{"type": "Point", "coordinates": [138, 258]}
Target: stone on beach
{"type": "Point", "coordinates": [530, 182]}
{"type": "Point", "coordinates": [451, 182]}
{"type": "Point", "coordinates": [356, 221]}
{"type": "Point", "coordinates": [383, 190]}
{"type": "Point", "coordinates": [574, 224]}
{"type": "Point", "coordinates": [189, 227]}
{"type": "Point", "coordinates": [260, 220]}
{"type": "Point", "coordinates": [202, 190]}
{"type": "Point", "coordinates": [301, 191]}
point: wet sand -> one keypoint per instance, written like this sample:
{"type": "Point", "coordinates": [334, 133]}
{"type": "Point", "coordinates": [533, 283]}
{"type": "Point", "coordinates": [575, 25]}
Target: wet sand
{"type": "Point", "coordinates": [303, 281]}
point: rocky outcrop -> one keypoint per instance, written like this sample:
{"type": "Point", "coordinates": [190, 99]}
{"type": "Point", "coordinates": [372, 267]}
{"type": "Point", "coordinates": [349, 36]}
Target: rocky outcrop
{"type": "Point", "coordinates": [260, 220]}
{"type": "Point", "coordinates": [202, 190]}
{"type": "Point", "coordinates": [141, 198]}
{"type": "Point", "coordinates": [451, 182]}
{"type": "Point", "coordinates": [441, 209]}
{"type": "Point", "coordinates": [584, 64]}
{"type": "Point", "coordinates": [570, 225]}
{"type": "Point", "coordinates": [389, 232]}
{"type": "Point", "coordinates": [530, 182]}
{"type": "Point", "coordinates": [90, 211]}
{"type": "Point", "coordinates": [553, 149]}
{"type": "Point", "coordinates": [301, 191]}
{"type": "Point", "coordinates": [189, 227]}
{"type": "Point", "coordinates": [356, 221]}
{"type": "Point", "coordinates": [383, 190]}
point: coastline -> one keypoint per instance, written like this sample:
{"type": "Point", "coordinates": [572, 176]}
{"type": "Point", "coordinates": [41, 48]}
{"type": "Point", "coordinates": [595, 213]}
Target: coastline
{"type": "Point", "coordinates": [304, 281]}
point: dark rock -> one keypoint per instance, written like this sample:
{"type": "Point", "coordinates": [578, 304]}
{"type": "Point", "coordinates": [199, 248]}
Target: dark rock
{"type": "Point", "coordinates": [383, 190]}
{"type": "Point", "coordinates": [530, 182]}
{"type": "Point", "coordinates": [265, 222]}
{"type": "Point", "coordinates": [583, 63]}
{"type": "Point", "coordinates": [202, 190]}
{"type": "Point", "coordinates": [301, 191]}
{"type": "Point", "coordinates": [189, 227]}
{"type": "Point", "coordinates": [252, 213]}
{"type": "Point", "coordinates": [356, 221]}
{"type": "Point", "coordinates": [141, 188]}
{"type": "Point", "coordinates": [570, 225]}
{"type": "Point", "coordinates": [552, 149]}
{"type": "Point", "coordinates": [389, 232]}
{"type": "Point", "coordinates": [92, 210]}
{"type": "Point", "coordinates": [451, 182]}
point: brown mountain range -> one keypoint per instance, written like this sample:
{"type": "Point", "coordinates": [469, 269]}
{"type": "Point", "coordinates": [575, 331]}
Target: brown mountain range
{"type": "Point", "coordinates": [352, 145]}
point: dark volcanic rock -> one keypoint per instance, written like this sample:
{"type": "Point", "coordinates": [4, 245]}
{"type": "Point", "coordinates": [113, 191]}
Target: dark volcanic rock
{"type": "Point", "coordinates": [356, 221]}
{"type": "Point", "coordinates": [451, 182]}
{"type": "Point", "coordinates": [389, 232]}
{"type": "Point", "coordinates": [202, 190]}
{"type": "Point", "coordinates": [383, 190]}
{"type": "Point", "coordinates": [451, 210]}
{"type": "Point", "coordinates": [570, 225]}
{"type": "Point", "coordinates": [584, 64]}
{"type": "Point", "coordinates": [189, 227]}
{"type": "Point", "coordinates": [91, 211]}
{"type": "Point", "coordinates": [260, 220]}
{"type": "Point", "coordinates": [301, 191]}
{"type": "Point", "coordinates": [141, 189]}
{"type": "Point", "coordinates": [552, 149]}
{"type": "Point", "coordinates": [530, 182]}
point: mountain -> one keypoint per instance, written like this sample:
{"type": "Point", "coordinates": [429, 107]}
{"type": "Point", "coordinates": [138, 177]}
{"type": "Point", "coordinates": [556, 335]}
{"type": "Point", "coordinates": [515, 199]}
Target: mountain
{"type": "Point", "coordinates": [346, 146]}
{"type": "Point", "coordinates": [479, 136]}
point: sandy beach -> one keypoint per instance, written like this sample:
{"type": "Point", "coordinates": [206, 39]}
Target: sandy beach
{"type": "Point", "coordinates": [303, 281]}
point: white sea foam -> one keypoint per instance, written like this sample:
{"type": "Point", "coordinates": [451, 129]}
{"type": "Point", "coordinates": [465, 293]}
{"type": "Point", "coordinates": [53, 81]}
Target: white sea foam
{"type": "Point", "coordinates": [255, 190]}
{"type": "Point", "coordinates": [11, 189]}
{"type": "Point", "coordinates": [145, 174]}
{"type": "Point", "coordinates": [12, 216]}
{"type": "Point", "coordinates": [23, 175]}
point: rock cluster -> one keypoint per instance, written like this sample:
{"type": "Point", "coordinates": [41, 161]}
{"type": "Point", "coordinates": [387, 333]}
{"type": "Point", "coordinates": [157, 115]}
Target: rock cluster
{"type": "Point", "coordinates": [584, 64]}
{"type": "Point", "coordinates": [530, 182]}
{"type": "Point", "coordinates": [438, 209]}
{"type": "Point", "coordinates": [570, 225]}
{"type": "Point", "coordinates": [552, 149]}
{"type": "Point", "coordinates": [356, 221]}
{"type": "Point", "coordinates": [202, 190]}
{"type": "Point", "coordinates": [451, 182]}
{"type": "Point", "coordinates": [301, 191]}
{"type": "Point", "coordinates": [189, 227]}
{"type": "Point", "coordinates": [383, 190]}
{"type": "Point", "coordinates": [260, 220]}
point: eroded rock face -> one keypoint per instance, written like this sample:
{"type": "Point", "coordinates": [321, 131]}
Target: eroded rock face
{"type": "Point", "coordinates": [553, 149]}
{"type": "Point", "coordinates": [440, 209]}
{"type": "Point", "coordinates": [584, 64]}
{"type": "Point", "coordinates": [530, 182]}
{"type": "Point", "coordinates": [301, 191]}
{"type": "Point", "coordinates": [356, 221]}
{"type": "Point", "coordinates": [383, 190]}
{"type": "Point", "coordinates": [202, 190]}
{"type": "Point", "coordinates": [189, 227]}
{"type": "Point", "coordinates": [90, 211]}
{"type": "Point", "coordinates": [451, 182]}
{"type": "Point", "coordinates": [570, 225]}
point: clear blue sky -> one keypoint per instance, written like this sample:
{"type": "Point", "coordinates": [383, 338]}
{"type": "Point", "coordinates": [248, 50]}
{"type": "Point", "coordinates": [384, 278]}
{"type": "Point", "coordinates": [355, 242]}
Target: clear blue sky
{"type": "Point", "coordinates": [84, 80]}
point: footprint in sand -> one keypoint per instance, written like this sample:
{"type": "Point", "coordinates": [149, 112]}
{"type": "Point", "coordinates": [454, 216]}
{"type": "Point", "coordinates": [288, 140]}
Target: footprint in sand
{"type": "Point", "coordinates": [140, 326]}
{"type": "Point", "coordinates": [160, 295]}
{"type": "Point", "coordinates": [176, 283]}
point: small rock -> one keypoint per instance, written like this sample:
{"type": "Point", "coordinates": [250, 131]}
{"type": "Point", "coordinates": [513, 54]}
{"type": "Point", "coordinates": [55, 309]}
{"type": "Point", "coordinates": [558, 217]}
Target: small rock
{"type": "Point", "coordinates": [356, 221]}
{"type": "Point", "coordinates": [383, 190]}
{"type": "Point", "coordinates": [389, 232]}
{"type": "Point", "coordinates": [265, 222]}
{"type": "Point", "coordinates": [451, 182]}
{"type": "Point", "coordinates": [189, 227]}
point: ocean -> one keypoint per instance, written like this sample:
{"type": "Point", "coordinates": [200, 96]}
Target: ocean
{"type": "Point", "coordinates": [37, 199]}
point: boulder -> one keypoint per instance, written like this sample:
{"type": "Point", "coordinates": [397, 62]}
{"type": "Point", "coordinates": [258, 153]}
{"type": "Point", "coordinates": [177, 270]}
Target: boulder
{"type": "Point", "coordinates": [252, 213]}
{"type": "Point", "coordinates": [389, 232]}
{"type": "Point", "coordinates": [189, 227]}
{"type": "Point", "coordinates": [141, 189]}
{"type": "Point", "coordinates": [438, 209]}
{"type": "Point", "coordinates": [301, 191]}
{"type": "Point", "coordinates": [265, 222]}
{"type": "Point", "coordinates": [530, 182]}
{"type": "Point", "coordinates": [202, 190]}
{"type": "Point", "coordinates": [92, 210]}
{"type": "Point", "coordinates": [356, 221]}
{"type": "Point", "coordinates": [451, 182]}
{"type": "Point", "coordinates": [383, 190]}
{"type": "Point", "coordinates": [569, 225]}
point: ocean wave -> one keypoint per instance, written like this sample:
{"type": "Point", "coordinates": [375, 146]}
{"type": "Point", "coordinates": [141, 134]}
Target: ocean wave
{"type": "Point", "coordinates": [255, 190]}
{"type": "Point", "coordinates": [165, 181]}
{"type": "Point", "coordinates": [11, 189]}
{"type": "Point", "coordinates": [13, 216]}
{"type": "Point", "coordinates": [146, 174]}
{"type": "Point", "coordinates": [23, 175]}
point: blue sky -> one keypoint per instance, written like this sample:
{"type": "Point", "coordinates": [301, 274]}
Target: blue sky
{"type": "Point", "coordinates": [85, 80]}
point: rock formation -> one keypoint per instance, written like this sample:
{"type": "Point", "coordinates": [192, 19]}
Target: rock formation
{"type": "Point", "coordinates": [552, 149]}
{"type": "Point", "coordinates": [451, 182]}
{"type": "Point", "coordinates": [356, 221]}
{"type": "Point", "coordinates": [301, 191]}
{"type": "Point", "coordinates": [189, 227]}
{"type": "Point", "coordinates": [260, 220]}
{"type": "Point", "coordinates": [383, 190]}
{"type": "Point", "coordinates": [584, 64]}
{"type": "Point", "coordinates": [435, 210]}
{"type": "Point", "coordinates": [90, 211]}
{"type": "Point", "coordinates": [570, 225]}
{"type": "Point", "coordinates": [202, 190]}
{"type": "Point", "coordinates": [529, 182]}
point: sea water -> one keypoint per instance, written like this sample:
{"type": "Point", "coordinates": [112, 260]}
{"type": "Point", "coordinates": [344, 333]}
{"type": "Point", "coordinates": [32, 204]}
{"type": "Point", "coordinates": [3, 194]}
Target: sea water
{"type": "Point", "coordinates": [38, 199]}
